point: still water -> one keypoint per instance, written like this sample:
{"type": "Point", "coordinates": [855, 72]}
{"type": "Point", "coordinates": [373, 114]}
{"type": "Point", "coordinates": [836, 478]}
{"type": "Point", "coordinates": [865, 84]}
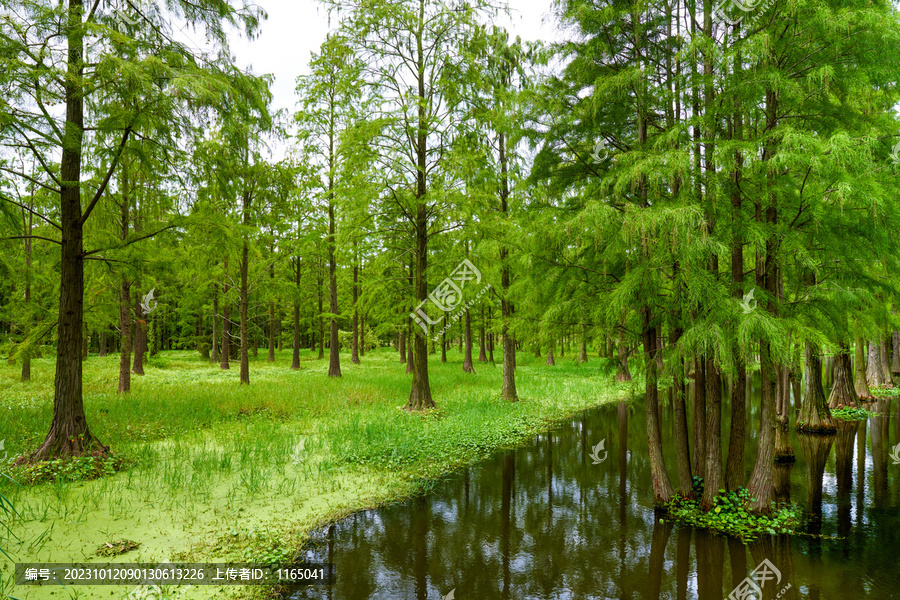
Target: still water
{"type": "Point", "coordinates": [545, 522]}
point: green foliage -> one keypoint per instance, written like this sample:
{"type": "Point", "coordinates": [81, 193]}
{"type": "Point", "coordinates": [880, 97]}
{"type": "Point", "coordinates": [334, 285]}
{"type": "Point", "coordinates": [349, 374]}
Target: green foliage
{"type": "Point", "coordinates": [77, 468]}
{"type": "Point", "coordinates": [851, 414]}
{"type": "Point", "coordinates": [729, 515]}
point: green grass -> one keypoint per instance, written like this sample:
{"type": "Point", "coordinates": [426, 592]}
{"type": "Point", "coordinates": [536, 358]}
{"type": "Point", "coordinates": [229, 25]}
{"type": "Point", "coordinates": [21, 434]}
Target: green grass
{"type": "Point", "coordinates": [218, 471]}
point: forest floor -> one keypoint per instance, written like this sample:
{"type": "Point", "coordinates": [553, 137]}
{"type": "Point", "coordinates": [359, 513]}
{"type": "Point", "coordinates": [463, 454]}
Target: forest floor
{"type": "Point", "coordinates": [218, 472]}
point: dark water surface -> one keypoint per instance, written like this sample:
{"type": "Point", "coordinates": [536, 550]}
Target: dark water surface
{"type": "Point", "coordinates": [544, 522]}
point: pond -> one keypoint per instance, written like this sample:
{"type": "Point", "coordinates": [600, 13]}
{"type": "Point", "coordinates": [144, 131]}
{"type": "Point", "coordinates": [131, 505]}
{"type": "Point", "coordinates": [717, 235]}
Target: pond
{"type": "Point", "coordinates": [545, 522]}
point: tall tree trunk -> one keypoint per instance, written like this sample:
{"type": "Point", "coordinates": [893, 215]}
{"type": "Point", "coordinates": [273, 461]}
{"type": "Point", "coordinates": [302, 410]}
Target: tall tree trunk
{"type": "Point", "coordinates": [26, 355]}
{"type": "Point", "coordinates": [895, 352]}
{"type": "Point", "coordinates": [410, 335]}
{"type": "Point", "coordinates": [103, 343]}
{"type": "Point", "coordinates": [699, 458]}
{"type": "Point", "coordinates": [443, 346]}
{"type": "Point", "coordinates": [295, 353]}
{"type": "Point", "coordinates": [354, 350]}
{"type": "Point", "coordinates": [467, 360]}
{"type": "Point", "coordinates": [550, 360]}
{"type": "Point", "coordinates": [245, 325]}
{"type": "Point", "coordinates": [508, 390]}
{"type": "Point", "coordinates": [362, 334]}
{"type": "Point", "coordinates": [662, 486]}
{"type": "Point", "coordinates": [482, 353]}
{"type": "Point", "coordinates": [125, 328]}
{"type": "Point", "coordinates": [226, 321]}
{"type": "Point", "coordinates": [403, 347]}
{"type": "Point", "coordinates": [214, 354]}
{"type": "Point", "coordinates": [69, 433]}
{"type": "Point", "coordinates": [321, 333]}
{"type": "Point", "coordinates": [334, 344]}
{"type": "Point", "coordinates": [682, 442]}
{"type": "Point", "coordinates": [140, 336]}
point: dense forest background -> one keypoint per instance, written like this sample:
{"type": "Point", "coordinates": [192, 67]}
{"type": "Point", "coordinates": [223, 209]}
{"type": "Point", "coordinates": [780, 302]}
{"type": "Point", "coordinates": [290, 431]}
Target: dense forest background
{"type": "Point", "coordinates": [702, 189]}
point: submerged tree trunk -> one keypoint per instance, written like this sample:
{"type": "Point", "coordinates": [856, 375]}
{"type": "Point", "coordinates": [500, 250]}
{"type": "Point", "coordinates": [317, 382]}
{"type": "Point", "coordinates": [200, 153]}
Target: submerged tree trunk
{"type": "Point", "coordinates": [885, 362]}
{"type": "Point", "coordinates": [761, 486]}
{"type": "Point", "coordinates": [713, 472]}
{"type": "Point", "coordinates": [699, 458]}
{"type": "Point", "coordinates": [814, 416]}
{"type": "Point", "coordinates": [842, 393]}
{"type": "Point", "coordinates": [662, 486]}
{"type": "Point", "coordinates": [682, 441]}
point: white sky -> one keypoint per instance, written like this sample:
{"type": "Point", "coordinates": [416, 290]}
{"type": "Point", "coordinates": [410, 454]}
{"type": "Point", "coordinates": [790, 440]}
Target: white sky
{"type": "Point", "coordinates": [296, 28]}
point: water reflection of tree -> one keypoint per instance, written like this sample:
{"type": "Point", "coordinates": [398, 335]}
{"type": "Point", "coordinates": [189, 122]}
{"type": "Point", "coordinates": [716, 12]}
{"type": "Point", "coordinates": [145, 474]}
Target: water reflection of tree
{"type": "Point", "coordinates": [843, 451]}
{"type": "Point", "coordinates": [881, 426]}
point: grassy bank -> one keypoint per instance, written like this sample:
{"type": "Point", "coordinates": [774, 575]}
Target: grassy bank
{"type": "Point", "coordinates": [218, 472]}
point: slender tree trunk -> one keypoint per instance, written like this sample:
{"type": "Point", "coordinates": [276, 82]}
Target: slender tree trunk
{"type": "Point", "coordinates": [214, 354]}
{"type": "Point", "coordinates": [550, 360]}
{"type": "Point", "coordinates": [410, 335]}
{"type": "Point", "coordinates": [895, 353]}
{"type": "Point", "coordinates": [354, 350]}
{"type": "Point", "coordinates": [443, 346]}
{"type": "Point", "coordinates": [26, 355]}
{"type": "Point", "coordinates": [482, 353]}
{"type": "Point", "coordinates": [321, 333]}
{"type": "Point", "coordinates": [140, 335]}
{"type": "Point", "coordinates": [334, 347]}
{"type": "Point", "coordinates": [245, 330]}
{"type": "Point", "coordinates": [125, 328]}
{"type": "Point", "coordinates": [362, 335]}
{"type": "Point", "coordinates": [226, 321]}
{"type": "Point", "coordinates": [467, 360]}
{"type": "Point", "coordinates": [295, 351]}
{"type": "Point", "coordinates": [403, 347]}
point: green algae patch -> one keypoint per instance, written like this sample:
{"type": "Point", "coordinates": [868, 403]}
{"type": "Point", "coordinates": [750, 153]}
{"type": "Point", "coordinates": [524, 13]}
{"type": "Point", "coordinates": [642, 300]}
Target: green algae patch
{"type": "Point", "coordinates": [217, 472]}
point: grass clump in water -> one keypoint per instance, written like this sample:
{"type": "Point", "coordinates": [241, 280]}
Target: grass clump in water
{"type": "Point", "coordinates": [729, 515]}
